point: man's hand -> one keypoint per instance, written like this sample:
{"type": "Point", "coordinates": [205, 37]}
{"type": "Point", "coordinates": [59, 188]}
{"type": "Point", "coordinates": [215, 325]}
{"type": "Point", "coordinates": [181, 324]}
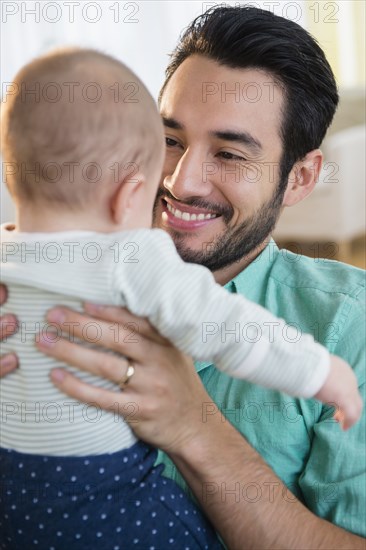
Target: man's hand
{"type": "Point", "coordinates": [8, 326]}
{"type": "Point", "coordinates": [164, 390]}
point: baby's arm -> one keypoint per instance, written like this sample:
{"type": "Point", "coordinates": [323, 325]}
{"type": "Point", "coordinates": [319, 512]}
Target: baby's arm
{"type": "Point", "coordinates": [204, 320]}
{"type": "Point", "coordinates": [340, 388]}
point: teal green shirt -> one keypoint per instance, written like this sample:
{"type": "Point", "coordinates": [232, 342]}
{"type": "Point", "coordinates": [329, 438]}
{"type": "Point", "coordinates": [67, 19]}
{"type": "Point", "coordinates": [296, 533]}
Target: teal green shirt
{"type": "Point", "coordinates": [322, 465]}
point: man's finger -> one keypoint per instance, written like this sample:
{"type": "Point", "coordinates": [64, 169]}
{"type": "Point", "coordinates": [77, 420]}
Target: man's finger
{"type": "Point", "coordinates": [8, 363]}
{"type": "Point", "coordinates": [105, 399]}
{"type": "Point", "coordinates": [121, 315]}
{"type": "Point", "coordinates": [124, 339]}
{"type": "Point", "coordinates": [3, 294]}
{"type": "Point", "coordinates": [8, 326]}
{"type": "Point", "coordinates": [96, 362]}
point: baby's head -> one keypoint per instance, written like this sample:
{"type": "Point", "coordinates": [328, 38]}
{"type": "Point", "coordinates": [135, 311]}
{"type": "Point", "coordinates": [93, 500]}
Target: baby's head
{"type": "Point", "coordinates": [82, 144]}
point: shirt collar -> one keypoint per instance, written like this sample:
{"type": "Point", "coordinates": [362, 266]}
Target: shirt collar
{"type": "Point", "coordinates": [252, 281]}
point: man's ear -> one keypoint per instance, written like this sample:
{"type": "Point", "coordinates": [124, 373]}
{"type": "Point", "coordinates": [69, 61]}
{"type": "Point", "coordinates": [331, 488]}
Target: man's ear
{"type": "Point", "coordinates": [303, 177]}
{"type": "Point", "coordinates": [126, 198]}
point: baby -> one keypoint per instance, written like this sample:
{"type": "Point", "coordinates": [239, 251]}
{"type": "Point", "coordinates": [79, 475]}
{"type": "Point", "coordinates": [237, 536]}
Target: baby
{"type": "Point", "coordinates": [83, 147]}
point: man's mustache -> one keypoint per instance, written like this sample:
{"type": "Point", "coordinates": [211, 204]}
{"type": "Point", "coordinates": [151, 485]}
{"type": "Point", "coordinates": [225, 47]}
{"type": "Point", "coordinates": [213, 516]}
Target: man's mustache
{"type": "Point", "coordinates": [226, 211]}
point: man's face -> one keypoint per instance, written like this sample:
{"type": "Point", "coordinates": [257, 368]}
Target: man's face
{"type": "Point", "coordinates": [218, 196]}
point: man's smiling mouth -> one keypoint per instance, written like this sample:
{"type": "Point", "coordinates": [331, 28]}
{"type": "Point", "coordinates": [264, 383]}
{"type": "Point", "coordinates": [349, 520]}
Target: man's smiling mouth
{"type": "Point", "coordinates": [184, 216]}
{"type": "Point", "coordinates": [187, 216]}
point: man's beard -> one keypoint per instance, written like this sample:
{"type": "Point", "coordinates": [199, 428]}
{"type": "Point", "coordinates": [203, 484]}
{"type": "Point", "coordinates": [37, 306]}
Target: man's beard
{"type": "Point", "coordinates": [235, 243]}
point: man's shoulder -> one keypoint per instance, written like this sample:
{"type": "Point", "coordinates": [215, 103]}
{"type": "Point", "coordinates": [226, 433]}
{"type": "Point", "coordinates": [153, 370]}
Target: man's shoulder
{"type": "Point", "coordinates": [317, 274]}
{"type": "Point", "coordinates": [322, 297]}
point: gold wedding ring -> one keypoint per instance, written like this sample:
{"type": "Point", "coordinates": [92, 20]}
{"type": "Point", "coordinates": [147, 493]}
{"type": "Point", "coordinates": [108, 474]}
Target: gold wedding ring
{"type": "Point", "coordinates": [129, 374]}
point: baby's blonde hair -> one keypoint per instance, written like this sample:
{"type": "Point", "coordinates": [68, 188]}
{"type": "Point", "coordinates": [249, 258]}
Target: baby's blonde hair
{"type": "Point", "coordinates": [76, 122]}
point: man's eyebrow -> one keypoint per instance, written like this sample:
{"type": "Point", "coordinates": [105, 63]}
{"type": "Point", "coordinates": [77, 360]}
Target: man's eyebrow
{"type": "Point", "coordinates": [239, 137]}
{"type": "Point", "coordinates": [172, 123]}
{"type": "Point", "coordinates": [227, 135]}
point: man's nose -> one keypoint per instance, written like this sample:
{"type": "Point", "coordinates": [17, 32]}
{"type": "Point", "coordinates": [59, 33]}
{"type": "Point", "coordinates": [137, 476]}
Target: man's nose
{"type": "Point", "coordinates": [189, 178]}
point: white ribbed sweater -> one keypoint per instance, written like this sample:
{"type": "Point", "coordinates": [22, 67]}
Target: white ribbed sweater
{"type": "Point", "coordinates": [142, 271]}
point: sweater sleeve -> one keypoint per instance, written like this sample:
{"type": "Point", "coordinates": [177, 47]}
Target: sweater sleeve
{"type": "Point", "coordinates": [204, 320]}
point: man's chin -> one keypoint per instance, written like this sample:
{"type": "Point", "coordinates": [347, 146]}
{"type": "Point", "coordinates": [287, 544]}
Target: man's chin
{"type": "Point", "coordinates": [190, 254]}
{"type": "Point", "coordinates": [192, 245]}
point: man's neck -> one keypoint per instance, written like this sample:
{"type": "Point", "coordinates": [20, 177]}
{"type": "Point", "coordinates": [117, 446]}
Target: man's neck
{"type": "Point", "coordinates": [225, 275]}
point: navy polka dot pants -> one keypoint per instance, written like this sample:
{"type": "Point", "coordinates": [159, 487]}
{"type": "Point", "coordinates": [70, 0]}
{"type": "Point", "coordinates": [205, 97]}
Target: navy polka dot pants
{"type": "Point", "coordinates": [107, 502]}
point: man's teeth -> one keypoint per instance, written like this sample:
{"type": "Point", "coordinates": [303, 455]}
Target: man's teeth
{"type": "Point", "coordinates": [189, 217]}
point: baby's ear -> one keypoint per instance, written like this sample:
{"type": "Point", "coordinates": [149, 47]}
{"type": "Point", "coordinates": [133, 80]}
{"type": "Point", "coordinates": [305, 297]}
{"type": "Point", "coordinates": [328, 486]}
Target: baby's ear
{"type": "Point", "coordinates": [125, 200]}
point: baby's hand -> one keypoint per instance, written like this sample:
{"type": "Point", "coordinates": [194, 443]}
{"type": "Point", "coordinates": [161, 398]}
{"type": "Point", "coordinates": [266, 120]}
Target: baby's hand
{"type": "Point", "coordinates": [340, 389]}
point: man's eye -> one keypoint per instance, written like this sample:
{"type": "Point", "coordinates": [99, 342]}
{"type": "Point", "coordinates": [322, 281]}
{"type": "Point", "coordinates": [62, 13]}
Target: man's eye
{"type": "Point", "coordinates": [171, 142]}
{"type": "Point", "coordinates": [230, 156]}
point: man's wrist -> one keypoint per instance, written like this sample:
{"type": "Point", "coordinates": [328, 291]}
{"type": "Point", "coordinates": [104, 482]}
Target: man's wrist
{"type": "Point", "coordinates": [198, 452]}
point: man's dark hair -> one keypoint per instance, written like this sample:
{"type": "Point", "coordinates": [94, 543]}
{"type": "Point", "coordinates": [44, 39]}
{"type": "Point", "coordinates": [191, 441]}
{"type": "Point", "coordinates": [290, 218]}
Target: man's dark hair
{"type": "Point", "coordinates": [248, 37]}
